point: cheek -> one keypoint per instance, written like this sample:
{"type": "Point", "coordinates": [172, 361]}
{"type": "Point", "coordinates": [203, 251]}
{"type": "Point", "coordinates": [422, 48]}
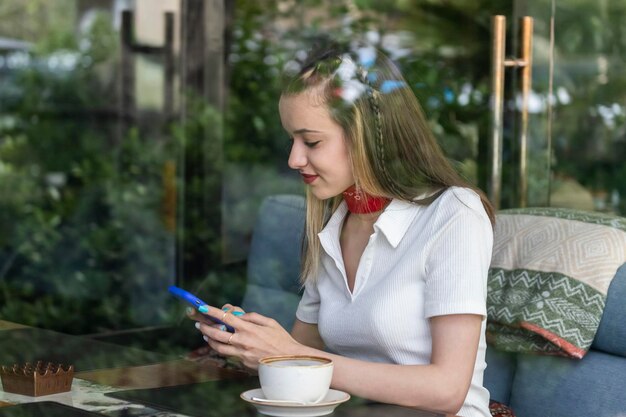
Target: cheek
{"type": "Point", "coordinates": [348, 175]}
{"type": "Point", "coordinates": [341, 164]}
{"type": "Point", "coordinates": [343, 159]}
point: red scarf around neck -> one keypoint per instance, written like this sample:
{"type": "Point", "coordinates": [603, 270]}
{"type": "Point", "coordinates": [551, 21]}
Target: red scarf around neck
{"type": "Point", "coordinates": [360, 202]}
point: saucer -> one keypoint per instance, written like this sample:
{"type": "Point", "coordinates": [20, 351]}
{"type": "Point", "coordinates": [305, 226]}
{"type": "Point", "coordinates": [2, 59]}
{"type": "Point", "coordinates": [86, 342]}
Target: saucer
{"type": "Point", "coordinates": [326, 406]}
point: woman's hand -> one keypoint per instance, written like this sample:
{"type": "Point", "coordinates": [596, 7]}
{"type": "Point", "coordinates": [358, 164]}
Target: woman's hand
{"type": "Point", "coordinates": [255, 337]}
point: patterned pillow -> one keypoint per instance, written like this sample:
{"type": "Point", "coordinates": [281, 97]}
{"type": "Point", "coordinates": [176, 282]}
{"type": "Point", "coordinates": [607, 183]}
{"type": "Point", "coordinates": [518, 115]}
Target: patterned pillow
{"type": "Point", "coordinates": [549, 275]}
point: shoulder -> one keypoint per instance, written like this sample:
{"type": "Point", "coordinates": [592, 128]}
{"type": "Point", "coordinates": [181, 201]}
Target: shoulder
{"type": "Point", "coordinates": [459, 199]}
{"type": "Point", "coordinates": [460, 196]}
{"type": "Point", "coordinates": [460, 223]}
{"type": "Point", "coordinates": [459, 203]}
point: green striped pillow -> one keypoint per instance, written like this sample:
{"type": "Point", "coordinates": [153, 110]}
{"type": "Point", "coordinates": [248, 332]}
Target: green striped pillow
{"type": "Point", "coordinates": [549, 275]}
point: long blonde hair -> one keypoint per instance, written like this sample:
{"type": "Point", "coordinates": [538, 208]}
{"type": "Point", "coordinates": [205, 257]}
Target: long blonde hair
{"type": "Point", "coordinates": [392, 151]}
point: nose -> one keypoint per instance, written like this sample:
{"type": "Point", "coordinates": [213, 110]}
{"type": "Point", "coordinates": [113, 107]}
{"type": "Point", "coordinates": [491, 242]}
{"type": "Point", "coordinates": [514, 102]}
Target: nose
{"type": "Point", "coordinates": [297, 156]}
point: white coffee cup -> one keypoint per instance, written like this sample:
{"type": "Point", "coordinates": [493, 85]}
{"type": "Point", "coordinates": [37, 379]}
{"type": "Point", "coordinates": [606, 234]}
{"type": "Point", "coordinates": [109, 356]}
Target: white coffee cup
{"type": "Point", "coordinates": [300, 378]}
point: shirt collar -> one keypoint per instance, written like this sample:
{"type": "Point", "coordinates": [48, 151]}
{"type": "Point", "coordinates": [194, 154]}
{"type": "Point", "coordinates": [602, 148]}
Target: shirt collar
{"type": "Point", "coordinates": [333, 227]}
{"type": "Point", "coordinates": [396, 220]}
{"type": "Point", "coordinates": [329, 236]}
{"type": "Point", "coordinates": [393, 222]}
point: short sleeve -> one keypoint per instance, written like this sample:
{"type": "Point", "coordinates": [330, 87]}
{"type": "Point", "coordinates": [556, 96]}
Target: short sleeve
{"type": "Point", "coordinates": [458, 260]}
{"type": "Point", "coordinates": [309, 306]}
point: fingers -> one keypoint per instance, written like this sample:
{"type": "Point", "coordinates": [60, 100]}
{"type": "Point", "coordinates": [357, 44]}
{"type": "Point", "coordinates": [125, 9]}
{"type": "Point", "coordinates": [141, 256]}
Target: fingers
{"type": "Point", "coordinates": [255, 336]}
{"type": "Point", "coordinates": [224, 343]}
{"type": "Point", "coordinates": [224, 349]}
{"type": "Point", "coordinates": [247, 326]}
{"type": "Point", "coordinates": [212, 315]}
{"type": "Point", "coordinates": [224, 319]}
{"type": "Point", "coordinates": [260, 320]}
{"type": "Point", "coordinates": [202, 318]}
{"type": "Point", "coordinates": [213, 333]}
{"type": "Point", "coordinates": [234, 347]}
{"type": "Point", "coordinates": [229, 316]}
{"type": "Point", "coordinates": [193, 314]}
{"type": "Point", "coordinates": [232, 308]}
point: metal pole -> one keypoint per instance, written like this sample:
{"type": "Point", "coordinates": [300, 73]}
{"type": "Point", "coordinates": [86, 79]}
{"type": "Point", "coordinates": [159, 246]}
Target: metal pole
{"type": "Point", "coordinates": [498, 45]}
{"type": "Point", "coordinates": [526, 35]}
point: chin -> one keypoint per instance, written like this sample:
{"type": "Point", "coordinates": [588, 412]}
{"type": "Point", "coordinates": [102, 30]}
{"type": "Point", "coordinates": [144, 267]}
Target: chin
{"type": "Point", "coordinates": [324, 194]}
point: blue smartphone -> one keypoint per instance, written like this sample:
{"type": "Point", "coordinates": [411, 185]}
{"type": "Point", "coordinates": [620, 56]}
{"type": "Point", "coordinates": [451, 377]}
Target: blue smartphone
{"type": "Point", "coordinates": [196, 303]}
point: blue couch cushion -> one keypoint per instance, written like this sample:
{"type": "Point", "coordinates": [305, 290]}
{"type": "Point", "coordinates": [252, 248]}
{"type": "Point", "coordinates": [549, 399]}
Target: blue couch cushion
{"type": "Point", "coordinates": [274, 262]}
{"type": "Point", "coordinates": [611, 335]}
{"type": "Point", "coordinates": [550, 386]}
{"type": "Point", "coordinates": [498, 377]}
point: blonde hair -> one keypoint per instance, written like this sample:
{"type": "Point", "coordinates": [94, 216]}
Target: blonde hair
{"type": "Point", "coordinates": [391, 148]}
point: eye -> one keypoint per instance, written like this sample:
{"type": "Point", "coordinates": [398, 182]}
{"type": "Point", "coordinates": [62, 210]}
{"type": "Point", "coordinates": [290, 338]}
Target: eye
{"type": "Point", "coordinates": [312, 144]}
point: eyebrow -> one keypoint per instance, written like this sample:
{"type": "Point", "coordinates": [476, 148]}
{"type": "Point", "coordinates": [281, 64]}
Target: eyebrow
{"type": "Point", "coordinates": [305, 131]}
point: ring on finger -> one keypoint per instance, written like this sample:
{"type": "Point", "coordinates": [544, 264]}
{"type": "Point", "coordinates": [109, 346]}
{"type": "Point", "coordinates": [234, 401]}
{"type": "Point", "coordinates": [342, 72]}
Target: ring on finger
{"type": "Point", "coordinates": [224, 315]}
{"type": "Point", "coordinates": [230, 338]}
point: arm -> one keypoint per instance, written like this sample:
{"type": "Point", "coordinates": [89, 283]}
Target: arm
{"type": "Point", "coordinates": [440, 386]}
{"type": "Point", "coordinates": [307, 334]}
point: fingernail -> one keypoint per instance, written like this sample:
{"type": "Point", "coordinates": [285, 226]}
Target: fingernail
{"type": "Point", "coordinates": [203, 309]}
{"type": "Point", "coordinates": [223, 328]}
{"type": "Point", "coordinates": [189, 311]}
{"type": "Point", "coordinates": [206, 339]}
{"type": "Point", "coordinates": [197, 325]}
{"type": "Point", "coordinates": [238, 313]}
{"type": "Point", "coordinates": [224, 308]}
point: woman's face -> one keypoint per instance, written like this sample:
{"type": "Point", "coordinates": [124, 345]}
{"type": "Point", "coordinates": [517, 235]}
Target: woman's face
{"type": "Point", "coordinates": [319, 149]}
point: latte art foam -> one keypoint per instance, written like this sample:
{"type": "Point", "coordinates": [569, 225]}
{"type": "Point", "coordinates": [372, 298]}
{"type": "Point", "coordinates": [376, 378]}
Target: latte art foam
{"type": "Point", "coordinates": [297, 362]}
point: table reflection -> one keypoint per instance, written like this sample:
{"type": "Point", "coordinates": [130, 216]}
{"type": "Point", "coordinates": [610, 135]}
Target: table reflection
{"type": "Point", "coordinates": [119, 381]}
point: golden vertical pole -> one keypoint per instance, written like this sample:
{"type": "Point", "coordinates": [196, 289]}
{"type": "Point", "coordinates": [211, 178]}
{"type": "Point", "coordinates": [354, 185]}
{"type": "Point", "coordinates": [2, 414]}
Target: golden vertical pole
{"type": "Point", "coordinates": [525, 56]}
{"type": "Point", "coordinates": [498, 65]}
{"type": "Point", "coordinates": [498, 47]}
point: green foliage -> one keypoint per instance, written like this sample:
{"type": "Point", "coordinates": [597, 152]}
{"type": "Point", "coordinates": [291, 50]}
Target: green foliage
{"type": "Point", "coordinates": [37, 21]}
{"type": "Point", "coordinates": [83, 246]}
{"type": "Point", "coordinates": [448, 78]}
{"type": "Point", "coordinates": [86, 210]}
{"type": "Point", "coordinates": [589, 118]}
{"type": "Point", "coordinates": [83, 223]}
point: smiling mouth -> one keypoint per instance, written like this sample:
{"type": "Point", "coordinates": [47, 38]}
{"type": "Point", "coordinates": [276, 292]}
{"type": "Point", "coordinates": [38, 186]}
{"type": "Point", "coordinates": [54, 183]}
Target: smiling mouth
{"type": "Point", "coordinates": [308, 178]}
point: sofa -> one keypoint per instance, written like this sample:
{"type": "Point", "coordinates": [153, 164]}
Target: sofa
{"type": "Point", "coordinates": [532, 384]}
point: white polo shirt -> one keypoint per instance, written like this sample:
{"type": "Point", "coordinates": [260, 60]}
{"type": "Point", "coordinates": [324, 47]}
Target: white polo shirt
{"type": "Point", "coordinates": [420, 262]}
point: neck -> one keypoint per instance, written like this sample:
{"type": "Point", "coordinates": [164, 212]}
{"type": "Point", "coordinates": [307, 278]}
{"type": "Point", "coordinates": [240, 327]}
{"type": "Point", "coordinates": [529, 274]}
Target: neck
{"type": "Point", "coordinates": [360, 202]}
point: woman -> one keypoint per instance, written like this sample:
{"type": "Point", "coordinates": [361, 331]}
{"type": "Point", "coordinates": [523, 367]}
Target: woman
{"type": "Point", "coordinates": [397, 245]}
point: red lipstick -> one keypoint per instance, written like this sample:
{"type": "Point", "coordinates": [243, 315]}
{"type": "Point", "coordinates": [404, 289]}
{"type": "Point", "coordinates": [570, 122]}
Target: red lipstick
{"type": "Point", "coordinates": [308, 178]}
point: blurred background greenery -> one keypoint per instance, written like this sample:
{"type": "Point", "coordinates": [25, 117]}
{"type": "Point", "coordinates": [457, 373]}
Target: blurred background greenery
{"type": "Point", "coordinates": [100, 211]}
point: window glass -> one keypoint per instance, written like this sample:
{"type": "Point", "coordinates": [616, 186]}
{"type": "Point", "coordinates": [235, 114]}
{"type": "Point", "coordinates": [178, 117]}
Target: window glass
{"type": "Point", "coordinates": [589, 94]}
{"type": "Point", "coordinates": [138, 139]}
{"type": "Point", "coordinates": [87, 204]}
